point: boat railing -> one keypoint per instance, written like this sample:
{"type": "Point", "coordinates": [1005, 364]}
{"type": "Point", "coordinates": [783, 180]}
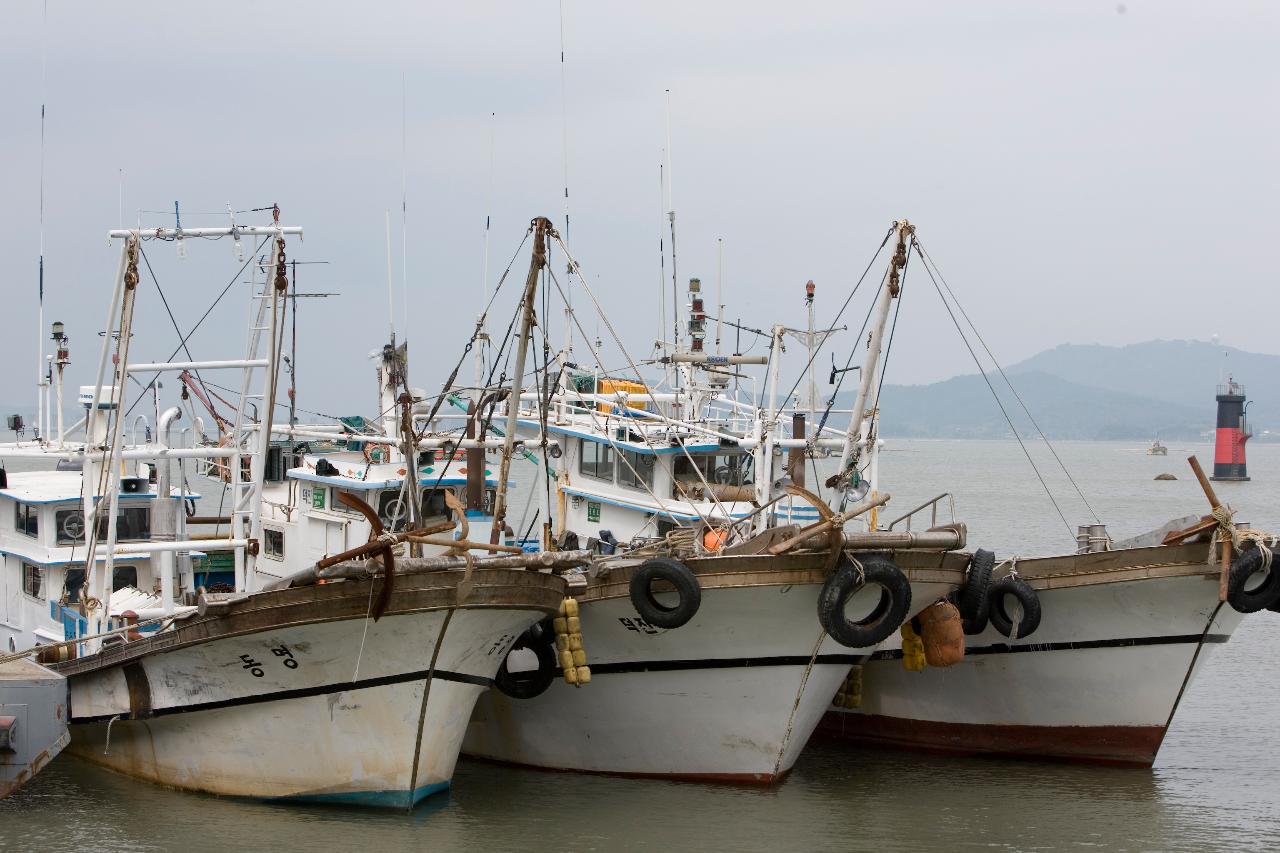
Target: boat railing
{"type": "Point", "coordinates": [932, 506]}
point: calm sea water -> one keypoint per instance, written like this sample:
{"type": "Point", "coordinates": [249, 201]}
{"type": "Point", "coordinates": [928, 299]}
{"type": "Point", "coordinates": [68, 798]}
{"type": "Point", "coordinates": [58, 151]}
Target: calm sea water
{"type": "Point", "coordinates": [1216, 785]}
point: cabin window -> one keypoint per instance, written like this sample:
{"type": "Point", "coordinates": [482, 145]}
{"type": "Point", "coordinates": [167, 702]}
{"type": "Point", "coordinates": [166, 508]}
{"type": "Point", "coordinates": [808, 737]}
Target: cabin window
{"type": "Point", "coordinates": [123, 576]}
{"type": "Point", "coordinates": [132, 524]}
{"type": "Point", "coordinates": [597, 460]}
{"type": "Point", "coordinates": [273, 543]}
{"type": "Point", "coordinates": [338, 506]}
{"type": "Point", "coordinates": [32, 580]}
{"type": "Point", "coordinates": [28, 519]}
{"type": "Point", "coordinates": [642, 475]}
{"type": "Point", "coordinates": [393, 511]}
{"type": "Point", "coordinates": [433, 504]}
{"type": "Point", "coordinates": [73, 583]}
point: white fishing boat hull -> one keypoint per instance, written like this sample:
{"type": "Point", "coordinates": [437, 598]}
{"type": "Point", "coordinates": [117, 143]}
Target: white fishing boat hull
{"type": "Point", "coordinates": [1098, 682]}
{"type": "Point", "coordinates": [344, 710]}
{"type": "Point", "coordinates": [731, 696]}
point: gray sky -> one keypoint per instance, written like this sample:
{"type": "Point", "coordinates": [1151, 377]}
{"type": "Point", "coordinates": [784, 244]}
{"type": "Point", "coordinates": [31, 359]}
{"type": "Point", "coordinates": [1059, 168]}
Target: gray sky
{"type": "Point", "coordinates": [1081, 172]}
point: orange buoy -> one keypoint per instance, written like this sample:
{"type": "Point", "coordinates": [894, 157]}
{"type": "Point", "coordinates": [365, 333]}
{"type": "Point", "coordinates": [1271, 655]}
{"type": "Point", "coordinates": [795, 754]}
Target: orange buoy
{"type": "Point", "coordinates": [713, 540]}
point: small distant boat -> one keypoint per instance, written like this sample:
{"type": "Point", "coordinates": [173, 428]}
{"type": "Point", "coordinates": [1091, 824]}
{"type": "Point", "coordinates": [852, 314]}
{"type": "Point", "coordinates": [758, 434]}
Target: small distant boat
{"type": "Point", "coordinates": [1157, 449]}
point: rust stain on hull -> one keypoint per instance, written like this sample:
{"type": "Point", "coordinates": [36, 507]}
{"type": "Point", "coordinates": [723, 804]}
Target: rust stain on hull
{"type": "Point", "coordinates": [1124, 746]}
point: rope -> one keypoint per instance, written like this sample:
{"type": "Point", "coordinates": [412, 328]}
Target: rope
{"type": "Point", "coordinates": [1227, 531]}
{"type": "Point", "coordinates": [915, 245]}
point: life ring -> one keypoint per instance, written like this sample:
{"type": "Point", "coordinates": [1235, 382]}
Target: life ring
{"type": "Point", "coordinates": [1001, 620]}
{"type": "Point", "coordinates": [679, 576]}
{"type": "Point", "coordinates": [526, 684]}
{"type": "Point", "coordinates": [974, 600]}
{"type": "Point", "coordinates": [1246, 599]}
{"type": "Point", "coordinates": [394, 513]}
{"type": "Point", "coordinates": [851, 576]}
{"type": "Point", "coordinates": [370, 447]}
{"type": "Point", "coordinates": [73, 526]}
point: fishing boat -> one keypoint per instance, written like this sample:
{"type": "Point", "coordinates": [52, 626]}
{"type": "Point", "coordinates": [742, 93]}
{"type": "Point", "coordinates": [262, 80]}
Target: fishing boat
{"type": "Point", "coordinates": [332, 683]}
{"type": "Point", "coordinates": [1077, 657]}
{"type": "Point", "coordinates": [1157, 449]}
{"type": "Point", "coordinates": [728, 601]}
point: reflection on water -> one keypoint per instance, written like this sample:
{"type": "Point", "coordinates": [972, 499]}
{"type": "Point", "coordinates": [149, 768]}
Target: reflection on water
{"type": "Point", "coordinates": [1214, 786]}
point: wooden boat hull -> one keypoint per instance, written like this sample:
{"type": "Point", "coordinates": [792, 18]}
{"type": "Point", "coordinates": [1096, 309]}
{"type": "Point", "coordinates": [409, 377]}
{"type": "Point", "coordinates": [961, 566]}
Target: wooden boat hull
{"type": "Point", "coordinates": [1120, 640]}
{"type": "Point", "coordinates": [731, 696]}
{"type": "Point", "coordinates": [295, 695]}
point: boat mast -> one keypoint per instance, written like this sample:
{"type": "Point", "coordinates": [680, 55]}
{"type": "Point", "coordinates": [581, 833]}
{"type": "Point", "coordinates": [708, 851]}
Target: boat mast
{"type": "Point", "coordinates": [541, 228]}
{"type": "Point", "coordinates": [857, 432]}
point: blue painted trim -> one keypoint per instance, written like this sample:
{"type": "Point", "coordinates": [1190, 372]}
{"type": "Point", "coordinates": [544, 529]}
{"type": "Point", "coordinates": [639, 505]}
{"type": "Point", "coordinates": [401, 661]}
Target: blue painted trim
{"type": "Point", "coordinates": [376, 799]}
{"type": "Point", "coordinates": [133, 496]}
{"type": "Point", "coordinates": [628, 445]}
{"type": "Point", "coordinates": [569, 490]}
{"type": "Point", "coordinates": [125, 558]}
{"type": "Point", "coordinates": [369, 485]}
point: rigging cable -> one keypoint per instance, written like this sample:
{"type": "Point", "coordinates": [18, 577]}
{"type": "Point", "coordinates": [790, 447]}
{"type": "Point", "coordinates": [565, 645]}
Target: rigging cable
{"type": "Point", "coordinates": [184, 338]}
{"type": "Point", "coordinates": [839, 314]}
{"type": "Point", "coordinates": [929, 260]}
{"type": "Point", "coordinates": [999, 403]}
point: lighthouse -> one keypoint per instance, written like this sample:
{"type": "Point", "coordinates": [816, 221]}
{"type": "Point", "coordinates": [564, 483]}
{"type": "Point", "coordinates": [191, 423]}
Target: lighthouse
{"type": "Point", "coordinates": [1233, 432]}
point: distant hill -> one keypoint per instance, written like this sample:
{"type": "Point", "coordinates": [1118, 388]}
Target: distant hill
{"type": "Point", "coordinates": [962, 407]}
{"type": "Point", "coordinates": [1131, 393]}
{"type": "Point", "coordinates": [1184, 372]}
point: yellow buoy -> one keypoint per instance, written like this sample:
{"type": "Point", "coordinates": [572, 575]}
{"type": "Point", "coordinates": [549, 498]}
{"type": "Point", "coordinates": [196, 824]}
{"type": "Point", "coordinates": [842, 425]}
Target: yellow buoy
{"type": "Point", "coordinates": [913, 658]}
{"type": "Point", "coordinates": [571, 675]}
{"type": "Point", "coordinates": [570, 606]}
{"type": "Point", "coordinates": [574, 625]}
{"type": "Point", "coordinates": [579, 658]}
{"type": "Point", "coordinates": [562, 642]}
{"type": "Point", "coordinates": [575, 642]}
{"type": "Point", "coordinates": [561, 625]}
{"type": "Point", "coordinates": [566, 660]}
{"type": "Point", "coordinates": [584, 674]}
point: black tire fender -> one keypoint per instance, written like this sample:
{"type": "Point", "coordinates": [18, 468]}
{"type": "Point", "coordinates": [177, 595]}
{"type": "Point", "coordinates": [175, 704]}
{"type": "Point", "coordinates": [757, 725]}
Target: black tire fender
{"type": "Point", "coordinates": [851, 576]}
{"type": "Point", "coordinates": [1027, 597]}
{"type": "Point", "coordinates": [975, 599]}
{"type": "Point", "coordinates": [1265, 595]}
{"type": "Point", "coordinates": [539, 639]}
{"type": "Point", "coordinates": [679, 576]}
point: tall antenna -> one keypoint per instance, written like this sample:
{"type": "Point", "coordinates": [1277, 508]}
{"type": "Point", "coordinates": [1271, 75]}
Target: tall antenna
{"type": "Point", "coordinates": [40, 368]}
{"type": "Point", "coordinates": [671, 218]}
{"type": "Point", "coordinates": [564, 139]}
{"type": "Point", "coordinates": [719, 290]}
{"type": "Point", "coordinates": [484, 284]}
{"type": "Point", "coordinates": [404, 207]}
{"type": "Point", "coordinates": [662, 261]}
{"type": "Point", "coordinates": [391, 300]}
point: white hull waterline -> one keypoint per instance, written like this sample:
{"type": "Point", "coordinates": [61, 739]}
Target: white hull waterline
{"type": "Point", "coordinates": [1099, 681]}
{"type": "Point", "coordinates": [298, 695]}
{"type": "Point", "coordinates": [731, 696]}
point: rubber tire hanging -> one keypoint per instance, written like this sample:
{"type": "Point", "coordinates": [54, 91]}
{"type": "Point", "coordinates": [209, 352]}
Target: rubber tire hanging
{"type": "Point", "coordinates": [974, 597]}
{"type": "Point", "coordinates": [539, 639]}
{"type": "Point", "coordinates": [889, 613]}
{"type": "Point", "coordinates": [1027, 597]}
{"type": "Point", "coordinates": [1262, 597]}
{"type": "Point", "coordinates": [679, 576]}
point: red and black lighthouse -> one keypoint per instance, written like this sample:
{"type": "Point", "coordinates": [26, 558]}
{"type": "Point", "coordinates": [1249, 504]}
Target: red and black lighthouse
{"type": "Point", "coordinates": [1233, 432]}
